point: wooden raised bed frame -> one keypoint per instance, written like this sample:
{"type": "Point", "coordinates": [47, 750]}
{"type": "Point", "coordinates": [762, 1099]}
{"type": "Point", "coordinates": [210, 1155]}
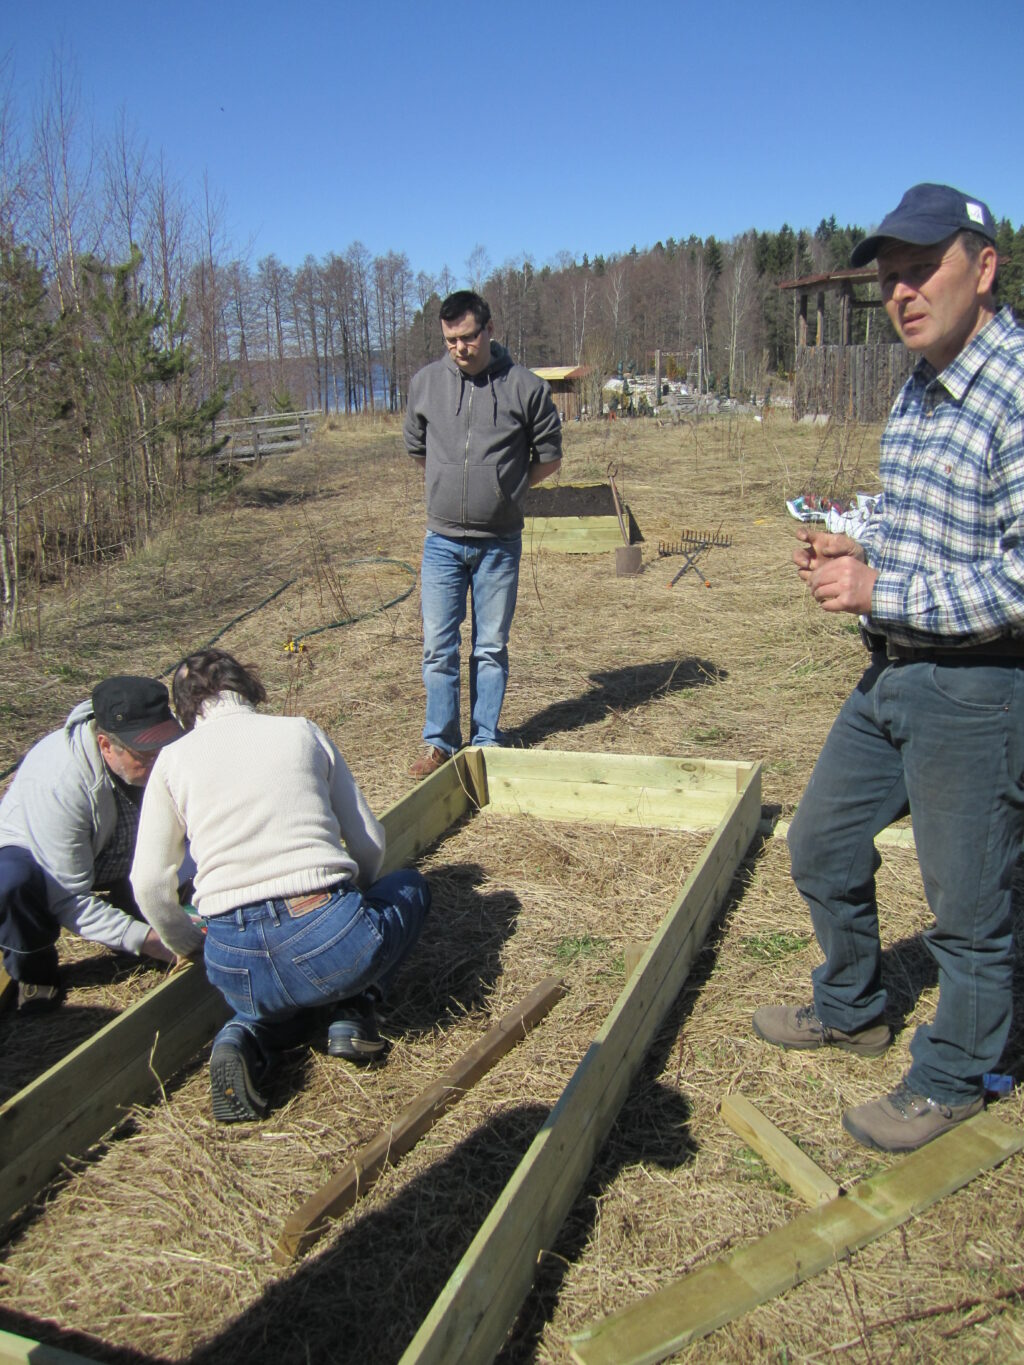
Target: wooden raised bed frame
{"type": "Point", "coordinates": [83, 1097]}
{"type": "Point", "coordinates": [590, 534]}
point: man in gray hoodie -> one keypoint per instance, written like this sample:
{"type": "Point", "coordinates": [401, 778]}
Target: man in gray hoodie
{"type": "Point", "coordinates": [67, 835]}
{"type": "Point", "coordinates": [485, 430]}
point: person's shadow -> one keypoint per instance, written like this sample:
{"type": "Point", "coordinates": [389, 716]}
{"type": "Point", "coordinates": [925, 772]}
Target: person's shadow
{"type": "Point", "coordinates": [614, 690]}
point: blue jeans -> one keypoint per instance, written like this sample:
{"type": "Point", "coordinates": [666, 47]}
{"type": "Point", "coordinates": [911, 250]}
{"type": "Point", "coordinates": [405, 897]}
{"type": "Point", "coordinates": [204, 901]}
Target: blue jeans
{"type": "Point", "coordinates": [946, 742]}
{"type": "Point", "coordinates": [28, 931]}
{"type": "Point", "coordinates": [489, 569]}
{"type": "Point", "coordinates": [271, 961]}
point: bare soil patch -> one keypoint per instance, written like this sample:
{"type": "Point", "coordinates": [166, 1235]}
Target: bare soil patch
{"type": "Point", "coordinates": [158, 1246]}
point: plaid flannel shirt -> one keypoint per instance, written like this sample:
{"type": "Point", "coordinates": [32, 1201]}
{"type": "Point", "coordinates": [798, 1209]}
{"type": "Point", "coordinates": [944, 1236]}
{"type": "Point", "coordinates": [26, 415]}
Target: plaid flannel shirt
{"type": "Point", "coordinates": [946, 538]}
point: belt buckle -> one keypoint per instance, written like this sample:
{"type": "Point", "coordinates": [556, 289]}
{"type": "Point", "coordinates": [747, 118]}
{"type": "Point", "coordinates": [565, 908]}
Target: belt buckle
{"type": "Point", "coordinates": [297, 906]}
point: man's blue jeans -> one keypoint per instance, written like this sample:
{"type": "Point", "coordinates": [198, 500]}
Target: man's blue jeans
{"type": "Point", "coordinates": [453, 569]}
{"type": "Point", "coordinates": [946, 742]}
{"type": "Point", "coordinates": [28, 931]}
{"type": "Point", "coordinates": [270, 961]}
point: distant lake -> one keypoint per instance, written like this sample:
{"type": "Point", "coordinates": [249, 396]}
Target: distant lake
{"type": "Point", "coordinates": [334, 388]}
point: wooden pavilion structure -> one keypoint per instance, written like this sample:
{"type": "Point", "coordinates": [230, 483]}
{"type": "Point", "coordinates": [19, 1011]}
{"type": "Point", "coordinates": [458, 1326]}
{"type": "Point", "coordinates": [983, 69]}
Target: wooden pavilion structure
{"type": "Point", "coordinates": [841, 380]}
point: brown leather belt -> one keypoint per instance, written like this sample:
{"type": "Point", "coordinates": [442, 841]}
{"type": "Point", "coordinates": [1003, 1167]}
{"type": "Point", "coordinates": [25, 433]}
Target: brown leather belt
{"type": "Point", "coordinates": [313, 900]}
{"type": "Point", "coordinates": [1007, 650]}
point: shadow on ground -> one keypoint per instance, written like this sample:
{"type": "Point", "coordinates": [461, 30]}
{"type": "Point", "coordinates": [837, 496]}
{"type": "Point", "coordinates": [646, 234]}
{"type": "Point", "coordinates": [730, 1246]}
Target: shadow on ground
{"type": "Point", "coordinates": [616, 690]}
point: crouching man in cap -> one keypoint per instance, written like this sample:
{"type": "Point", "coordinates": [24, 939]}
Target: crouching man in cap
{"type": "Point", "coordinates": [67, 835]}
{"type": "Point", "coordinates": [935, 727]}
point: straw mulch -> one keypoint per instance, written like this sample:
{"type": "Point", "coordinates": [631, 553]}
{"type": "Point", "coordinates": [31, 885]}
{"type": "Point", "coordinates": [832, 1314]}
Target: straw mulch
{"type": "Point", "coordinates": [158, 1245]}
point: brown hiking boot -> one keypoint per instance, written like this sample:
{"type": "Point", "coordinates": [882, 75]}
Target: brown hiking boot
{"type": "Point", "coordinates": [797, 1026]}
{"type": "Point", "coordinates": [428, 763]}
{"type": "Point", "coordinates": [902, 1120]}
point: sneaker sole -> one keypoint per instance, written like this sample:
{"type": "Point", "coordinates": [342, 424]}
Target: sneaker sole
{"type": "Point", "coordinates": [234, 1098]}
{"type": "Point", "coordinates": [356, 1049]}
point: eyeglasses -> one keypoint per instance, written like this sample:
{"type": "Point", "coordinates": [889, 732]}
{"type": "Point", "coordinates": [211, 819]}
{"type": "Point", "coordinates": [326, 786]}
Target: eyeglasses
{"type": "Point", "coordinates": [146, 757]}
{"type": "Point", "coordinates": [467, 337]}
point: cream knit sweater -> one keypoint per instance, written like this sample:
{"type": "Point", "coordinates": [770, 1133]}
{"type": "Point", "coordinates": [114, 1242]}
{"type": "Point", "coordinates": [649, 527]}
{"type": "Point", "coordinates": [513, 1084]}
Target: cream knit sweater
{"type": "Point", "coordinates": [267, 806]}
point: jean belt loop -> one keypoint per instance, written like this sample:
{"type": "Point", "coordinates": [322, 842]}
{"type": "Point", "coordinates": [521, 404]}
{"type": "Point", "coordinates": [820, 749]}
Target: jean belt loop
{"type": "Point", "coordinates": [275, 912]}
{"type": "Point", "coordinates": [240, 918]}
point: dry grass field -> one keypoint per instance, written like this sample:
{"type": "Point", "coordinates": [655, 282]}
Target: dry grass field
{"type": "Point", "coordinates": [157, 1247]}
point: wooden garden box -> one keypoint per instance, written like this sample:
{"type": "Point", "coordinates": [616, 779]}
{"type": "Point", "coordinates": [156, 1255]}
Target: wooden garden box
{"type": "Point", "coordinates": [576, 519]}
{"type": "Point", "coordinates": [83, 1097]}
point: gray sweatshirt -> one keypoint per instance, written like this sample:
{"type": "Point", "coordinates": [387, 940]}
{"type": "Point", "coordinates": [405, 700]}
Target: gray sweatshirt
{"type": "Point", "coordinates": [479, 435]}
{"type": "Point", "coordinates": [61, 808]}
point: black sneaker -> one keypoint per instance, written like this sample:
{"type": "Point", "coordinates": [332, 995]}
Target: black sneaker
{"type": "Point", "coordinates": [235, 1097]}
{"type": "Point", "coordinates": [353, 1033]}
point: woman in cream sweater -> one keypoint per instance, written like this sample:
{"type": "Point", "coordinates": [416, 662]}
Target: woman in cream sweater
{"type": "Point", "coordinates": [288, 857]}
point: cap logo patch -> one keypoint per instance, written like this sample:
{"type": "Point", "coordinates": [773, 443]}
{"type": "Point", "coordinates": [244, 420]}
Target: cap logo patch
{"type": "Point", "coordinates": [975, 213]}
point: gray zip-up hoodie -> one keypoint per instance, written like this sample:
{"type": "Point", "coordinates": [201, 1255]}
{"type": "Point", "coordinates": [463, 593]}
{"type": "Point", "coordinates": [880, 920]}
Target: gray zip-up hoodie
{"type": "Point", "coordinates": [61, 808]}
{"type": "Point", "coordinates": [479, 435]}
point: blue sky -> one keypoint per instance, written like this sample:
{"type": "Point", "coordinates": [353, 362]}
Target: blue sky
{"type": "Point", "coordinates": [531, 128]}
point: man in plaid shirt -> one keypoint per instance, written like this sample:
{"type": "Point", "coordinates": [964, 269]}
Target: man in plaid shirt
{"type": "Point", "coordinates": [936, 725]}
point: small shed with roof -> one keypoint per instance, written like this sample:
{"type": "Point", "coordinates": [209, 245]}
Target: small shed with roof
{"type": "Point", "coordinates": [566, 383]}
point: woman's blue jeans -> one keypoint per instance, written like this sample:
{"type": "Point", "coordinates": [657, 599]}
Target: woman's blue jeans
{"type": "Point", "coordinates": [946, 742]}
{"type": "Point", "coordinates": [488, 569]}
{"type": "Point", "coordinates": [272, 960]}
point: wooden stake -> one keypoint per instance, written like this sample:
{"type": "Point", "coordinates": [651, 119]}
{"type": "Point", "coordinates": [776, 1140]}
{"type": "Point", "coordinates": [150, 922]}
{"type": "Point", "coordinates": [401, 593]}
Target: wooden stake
{"type": "Point", "coordinates": [311, 1221]}
{"type": "Point", "coordinates": [655, 1327]}
{"type": "Point", "coordinates": [631, 957]}
{"type": "Point", "coordinates": [811, 1183]}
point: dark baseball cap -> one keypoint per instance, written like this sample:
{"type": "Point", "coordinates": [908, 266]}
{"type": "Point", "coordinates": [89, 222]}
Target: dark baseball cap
{"type": "Point", "coordinates": [135, 711]}
{"type": "Point", "coordinates": [925, 215]}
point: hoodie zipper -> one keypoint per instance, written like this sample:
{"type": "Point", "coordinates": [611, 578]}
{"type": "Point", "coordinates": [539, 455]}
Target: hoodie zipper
{"type": "Point", "coordinates": [465, 465]}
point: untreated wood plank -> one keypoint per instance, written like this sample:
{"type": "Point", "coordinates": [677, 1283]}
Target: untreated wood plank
{"type": "Point", "coordinates": [663, 1323]}
{"type": "Point", "coordinates": [572, 535]}
{"type": "Point", "coordinates": [608, 804]}
{"type": "Point", "coordinates": [425, 813]}
{"type": "Point", "coordinates": [472, 1315]}
{"type": "Point", "coordinates": [796, 1168]}
{"type": "Point", "coordinates": [620, 789]}
{"type": "Point", "coordinates": [896, 836]}
{"type": "Point", "coordinates": [86, 1094]}
{"type": "Point", "coordinates": [311, 1221]}
{"type": "Point", "coordinates": [624, 770]}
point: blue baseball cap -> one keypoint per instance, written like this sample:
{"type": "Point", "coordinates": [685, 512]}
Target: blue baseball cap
{"type": "Point", "coordinates": [925, 215]}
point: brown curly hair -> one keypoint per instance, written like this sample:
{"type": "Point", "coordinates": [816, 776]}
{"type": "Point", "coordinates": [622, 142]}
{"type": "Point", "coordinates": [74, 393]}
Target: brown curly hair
{"type": "Point", "coordinates": [206, 674]}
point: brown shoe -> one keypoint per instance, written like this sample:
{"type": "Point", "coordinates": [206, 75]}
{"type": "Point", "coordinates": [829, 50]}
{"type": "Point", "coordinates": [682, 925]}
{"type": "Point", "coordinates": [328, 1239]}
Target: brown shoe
{"type": "Point", "coordinates": [903, 1121]}
{"type": "Point", "coordinates": [797, 1026]}
{"type": "Point", "coordinates": [428, 763]}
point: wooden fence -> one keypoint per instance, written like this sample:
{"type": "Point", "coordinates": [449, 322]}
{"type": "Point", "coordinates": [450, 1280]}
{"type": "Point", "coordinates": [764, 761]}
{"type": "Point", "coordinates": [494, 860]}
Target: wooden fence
{"type": "Point", "coordinates": [849, 382]}
{"type": "Point", "coordinates": [252, 439]}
